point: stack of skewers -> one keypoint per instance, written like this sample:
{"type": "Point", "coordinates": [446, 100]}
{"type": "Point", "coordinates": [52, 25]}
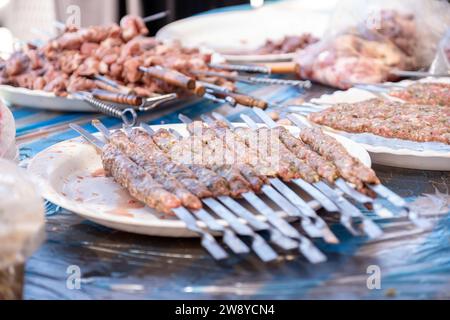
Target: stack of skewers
{"type": "Point", "coordinates": [220, 169]}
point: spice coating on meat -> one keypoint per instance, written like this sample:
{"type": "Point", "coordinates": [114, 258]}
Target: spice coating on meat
{"type": "Point", "coordinates": [215, 183]}
{"type": "Point", "coordinates": [349, 167]}
{"type": "Point", "coordinates": [289, 166]}
{"type": "Point", "coordinates": [191, 150]}
{"type": "Point", "coordinates": [324, 168]}
{"type": "Point", "coordinates": [389, 119]}
{"type": "Point", "coordinates": [139, 184]}
{"type": "Point", "coordinates": [179, 171]}
{"type": "Point", "coordinates": [221, 147]}
{"type": "Point", "coordinates": [434, 94]}
{"type": "Point", "coordinates": [152, 167]}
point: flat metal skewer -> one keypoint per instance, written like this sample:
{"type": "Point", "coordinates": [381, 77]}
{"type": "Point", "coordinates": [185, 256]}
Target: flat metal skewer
{"type": "Point", "coordinates": [384, 192]}
{"type": "Point", "coordinates": [257, 80]}
{"type": "Point", "coordinates": [294, 198]}
{"type": "Point", "coordinates": [320, 197]}
{"type": "Point", "coordinates": [419, 74]}
{"type": "Point", "coordinates": [369, 226]}
{"type": "Point", "coordinates": [311, 229]}
{"type": "Point", "coordinates": [207, 240]}
{"type": "Point", "coordinates": [259, 246]}
{"type": "Point", "coordinates": [156, 16]}
{"type": "Point", "coordinates": [304, 209]}
{"type": "Point", "coordinates": [229, 237]}
{"type": "Point", "coordinates": [314, 193]}
{"type": "Point", "coordinates": [305, 246]}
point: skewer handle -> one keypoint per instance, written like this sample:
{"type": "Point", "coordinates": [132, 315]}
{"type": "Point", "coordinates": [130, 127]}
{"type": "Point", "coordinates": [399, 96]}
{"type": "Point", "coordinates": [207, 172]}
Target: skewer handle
{"type": "Point", "coordinates": [282, 67]}
{"type": "Point", "coordinates": [121, 98]}
{"type": "Point", "coordinates": [266, 68]}
{"type": "Point", "coordinates": [170, 76]}
{"type": "Point", "coordinates": [199, 90]}
{"type": "Point", "coordinates": [128, 116]}
{"type": "Point", "coordinates": [245, 100]}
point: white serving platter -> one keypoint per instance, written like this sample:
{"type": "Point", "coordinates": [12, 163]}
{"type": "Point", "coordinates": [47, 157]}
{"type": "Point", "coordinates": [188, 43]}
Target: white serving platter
{"type": "Point", "coordinates": [39, 99]}
{"type": "Point", "coordinates": [70, 175]}
{"type": "Point", "coordinates": [391, 152]}
{"type": "Point", "coordinates": [237, 32]}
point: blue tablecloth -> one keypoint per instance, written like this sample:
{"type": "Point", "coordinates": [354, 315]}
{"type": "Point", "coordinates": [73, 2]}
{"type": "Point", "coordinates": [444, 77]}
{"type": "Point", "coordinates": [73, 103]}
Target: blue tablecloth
{"type": "Point", "coordinates": [413, 264]}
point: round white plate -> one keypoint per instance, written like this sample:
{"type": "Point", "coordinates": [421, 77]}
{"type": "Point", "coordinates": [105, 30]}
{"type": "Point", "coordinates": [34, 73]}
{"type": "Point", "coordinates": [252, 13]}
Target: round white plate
{"type": "Point", "coordinates": [397, 157]}
{"type": "Point", "coordinates": [246, 30]}
{"type": "Point", "coordinates": [70, 175]}
{"type": "Point", "coordinates": [42, 100]}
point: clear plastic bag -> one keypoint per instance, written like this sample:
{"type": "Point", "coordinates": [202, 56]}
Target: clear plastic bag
{"type": "Point", "coordinates": [21, 226]}
{"type": "Point", "coordinates": [8, 149]}
{"type": "Point", "coordinates": [441, 62]}
{"type": "Point", "coordinates": [365, 41]}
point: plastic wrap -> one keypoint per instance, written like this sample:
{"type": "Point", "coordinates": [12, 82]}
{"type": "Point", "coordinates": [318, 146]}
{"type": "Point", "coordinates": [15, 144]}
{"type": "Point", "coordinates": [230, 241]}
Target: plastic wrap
{"type": "Point", "coordinates": [441, 62]}
{"type": "Point", "coordinates": [8, 147]}
{"type": "Point", "coordinates": [21, 225]}
{"type": "Point", "coordinates": [365, 41]}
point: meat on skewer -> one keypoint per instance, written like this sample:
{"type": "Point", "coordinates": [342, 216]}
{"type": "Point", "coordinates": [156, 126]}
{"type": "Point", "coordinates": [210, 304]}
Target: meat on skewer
{"type": "Point", "coordinates": [193, 180]}
{"type": "Point", "coordinates": [152, 167]}
{"type": "Point", "coordinates": [189, 150]}
{"type": "Point", "coordinates": [229, 156]}
{"type": "Point", "coordinates": [290, 167]}
{"type": "Point", "coordinates": [117, 52]}
{"type": "Point", "coordinates": [247, 154]}
{"type": "Point", "coordinates": [323, 167]}
{"type": "Point", "coordinates": [349, 167]}
{"type": "Point", "coordinates": [138, 183]}
{"type": "Point", "coordinates": [165, 141]}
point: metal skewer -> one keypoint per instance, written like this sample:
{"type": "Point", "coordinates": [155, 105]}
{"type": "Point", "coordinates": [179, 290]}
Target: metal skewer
{"type": "Point", "coordinates": [298, 208]}
{"type": "Point", "coordinates": [306, 247]}
{"type": "Point", "coordinates": [384, 192]}
{"type": "Point", "coordinates": [314, 193]}
{"type": "Point", "coordinates": [339, 182]}
{"type": "Point", "coordinates": [304, 208]}
{"type": "Point", "coordinates": [140, 103]}
{"type": "Point", "coordinates": [207, 240]}
{"type": "Point", "coordinates": [128, 115]}
{"type": "Point", "coordinates": [229, 237]}
{"type": "Point", "coordinates": [307, 224]}
{"type": "Point", "coordinates": [381, 191]}
{"type": "Point", "coordinates": [285, 229]}
{"type": "Point", "coordinates": [227, 100]}
{"type": "Point", "coordinates": [419, 74]}
{"type": "Point", "coordinates": [156, 16]}
{"type": "Point", "coordinates": [259, 246]}
{"type": "Point", "coordinates": [241, 68]}
{"type": "Point", "coordinates": [371, 228]}
{"type": "Point", "coordinates": [257, 80]}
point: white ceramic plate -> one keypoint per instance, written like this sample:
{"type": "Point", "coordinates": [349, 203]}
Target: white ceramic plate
{"type": "Point", "coordinates": [42, 100]}
{"type": "Point", "coordinates": [402, 157]}
{"type": "Point", "coordinates": [70, 175]}
{"type": "Point", "coordinates": [243, 31]}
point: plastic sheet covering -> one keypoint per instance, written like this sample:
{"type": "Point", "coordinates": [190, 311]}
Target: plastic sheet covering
{"type": "Point", "coordinates": [8, 147]}
{"type": "Point", "coordinates": [365, 42]}
{"type": "Point", "coordinates": [441, 62]}
{"type": "Point", "coordinates": [21, 226]}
